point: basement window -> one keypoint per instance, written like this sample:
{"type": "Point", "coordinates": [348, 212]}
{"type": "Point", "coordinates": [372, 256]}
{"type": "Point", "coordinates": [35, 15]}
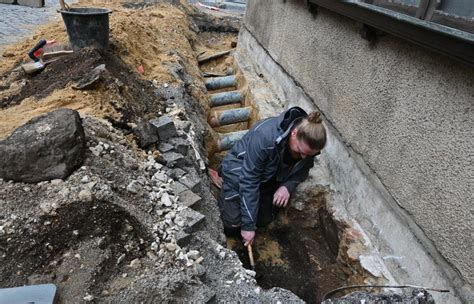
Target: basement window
{"type": "Point", "coordinates": [458, 14]}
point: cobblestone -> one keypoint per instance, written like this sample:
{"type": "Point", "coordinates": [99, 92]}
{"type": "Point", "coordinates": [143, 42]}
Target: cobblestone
{"type": "Point", "coordinates": [17, 22]}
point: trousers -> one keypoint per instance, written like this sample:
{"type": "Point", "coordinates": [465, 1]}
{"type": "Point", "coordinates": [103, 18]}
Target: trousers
{"type": "Point", "coordinates": [230, 209]}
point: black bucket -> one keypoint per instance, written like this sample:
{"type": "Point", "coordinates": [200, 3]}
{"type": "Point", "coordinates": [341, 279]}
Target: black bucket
{"type": "Point", "coordinates": [87, 27]}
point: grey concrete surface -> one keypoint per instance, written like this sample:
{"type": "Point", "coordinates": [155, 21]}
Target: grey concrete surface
{"type": "Point", "coordinates": [19, 21]}
{"type": "Point", "coordinates": [403, 111]}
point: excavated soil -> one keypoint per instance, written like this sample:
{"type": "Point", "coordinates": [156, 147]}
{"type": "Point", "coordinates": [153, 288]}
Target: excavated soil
{"type": "Point", "coordinates": [299, 250]}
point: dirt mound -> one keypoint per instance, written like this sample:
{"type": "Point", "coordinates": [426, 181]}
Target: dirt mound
{"type": "Point", "coordinates": [56, 75]}
{"type": "Point", "coordinates": [121, 95]}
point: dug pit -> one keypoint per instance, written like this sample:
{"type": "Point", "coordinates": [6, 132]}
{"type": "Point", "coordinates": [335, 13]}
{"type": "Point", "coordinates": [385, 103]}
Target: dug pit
{"type": "Point", "coordinates": [299, 250]}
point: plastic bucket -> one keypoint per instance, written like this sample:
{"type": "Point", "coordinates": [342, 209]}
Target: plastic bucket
{"type": "Point", "coordinates": [87, 27]}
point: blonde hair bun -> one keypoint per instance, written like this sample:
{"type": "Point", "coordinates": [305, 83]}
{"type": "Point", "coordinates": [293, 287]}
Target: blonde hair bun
{"type": "Point", "coordinates": [314, 117]}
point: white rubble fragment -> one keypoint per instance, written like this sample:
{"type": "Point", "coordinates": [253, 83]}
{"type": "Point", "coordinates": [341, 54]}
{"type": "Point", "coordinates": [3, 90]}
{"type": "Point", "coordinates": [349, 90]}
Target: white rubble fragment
{"type": "Point", "coordinates": [85, 195]}
{"type": "Point", "coordinates": [170, 246]}
{"type": "Point", "coordinates": [120, 258]}
{"type": "Point", "coordinates": [133, 187]}
{"type": "Point", "coordinates": [56, 181]}
{"type": "Point", "coordinates": [88, 298]}
{"type": "Point", "coordinates": [250, 272]}
{"type": "Point", "coordinates": [135, 264]}
{"type": "Point", "coordinates": [193, 254]}
{"type": "Point", "coordinates": [165, 200]}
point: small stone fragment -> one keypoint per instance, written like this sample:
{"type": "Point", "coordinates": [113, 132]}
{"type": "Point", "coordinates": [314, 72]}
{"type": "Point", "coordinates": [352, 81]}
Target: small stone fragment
{"type": "Point", "coordinates": [134, 187]}
{"type": "Point", "coordinates": [170, 247]}
{"type": "Point", "coordinates": [88, 298]}
{"type": "Point", "coordinates": [165, 200]}
{"type": "Point", "coordinates": [193, 254]}
{"type": "Point", "coordinates": [85, 195]}
{"type": "Point", "coordinates": [135, 264]}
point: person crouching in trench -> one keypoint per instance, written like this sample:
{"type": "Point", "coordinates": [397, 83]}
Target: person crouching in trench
{"type": "Point", "coordinates": [262, 170]}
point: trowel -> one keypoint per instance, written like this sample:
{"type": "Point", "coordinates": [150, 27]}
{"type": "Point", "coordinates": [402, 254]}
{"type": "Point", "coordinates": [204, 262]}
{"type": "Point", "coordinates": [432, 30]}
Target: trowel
{"type": "Point", "coordinates": [252, 261]}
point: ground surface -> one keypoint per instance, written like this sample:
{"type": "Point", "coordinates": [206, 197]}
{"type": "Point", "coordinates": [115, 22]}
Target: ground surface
{"type": "Point", "coordinates": [21, 21]}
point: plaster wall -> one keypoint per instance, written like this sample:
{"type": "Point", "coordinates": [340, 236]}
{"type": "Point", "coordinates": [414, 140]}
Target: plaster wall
{"type": "Point", "coordinates": [402, 113]}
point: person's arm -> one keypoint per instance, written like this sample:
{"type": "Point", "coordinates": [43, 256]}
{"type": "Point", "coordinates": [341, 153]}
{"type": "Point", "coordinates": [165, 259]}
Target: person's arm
{"type": "Point", "coordinates": [299, 176]}
{"type": "Point", "coordinates": [251, 174]}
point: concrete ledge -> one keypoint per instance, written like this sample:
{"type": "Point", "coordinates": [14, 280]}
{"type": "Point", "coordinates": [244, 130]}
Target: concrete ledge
{"type": "Point", "coordinates": [8, 1]}
{"type": "Point", "coordinates": [359, 195]}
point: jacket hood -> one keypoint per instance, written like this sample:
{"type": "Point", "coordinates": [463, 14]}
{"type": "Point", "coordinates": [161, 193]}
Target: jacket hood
{"type": "Point", "coordinates": [287, 120]}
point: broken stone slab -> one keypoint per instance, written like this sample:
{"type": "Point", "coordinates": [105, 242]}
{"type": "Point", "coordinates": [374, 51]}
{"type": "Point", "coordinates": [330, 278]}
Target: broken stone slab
{"type": "Point", "coordinates": [180, 145]}
{"type": "Point", "coordinates": [165, 127]}
{"type": "Point", "coordinates": [189, 198]}
{"type": "Point", "coordinates": [192, 219]}
{"type": "Point", "coordinates": [191, 180]}
{"type": "Point", "coordinates": [177, 173]}
{"type": "Point", "coordinates": [165, 147]}
{"type": "Point", "coordinates": [178, 188]}
{"type": "Point", "coordinates": [45, 148]}
{"type": "Point", "coordinates": [182, 238]}
{"type": "Point", "coordinates": [184, 125]}
{"type": "Point", "coordinates": [8, 2]}
{"type": "Point", "coordinates": [91, 80]}
{"type": "Point", "coordinates": [171, 159]}
{"type": "Point", "coordinates": [146, 134]}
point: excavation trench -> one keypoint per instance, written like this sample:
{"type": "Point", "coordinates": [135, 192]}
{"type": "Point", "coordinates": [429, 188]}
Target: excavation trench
{"type": "Point", "coordinates": [300, 249]}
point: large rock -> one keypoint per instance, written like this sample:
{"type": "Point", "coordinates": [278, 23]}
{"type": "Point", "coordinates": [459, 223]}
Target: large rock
{"type": "Point", "coordinates": [45, 148]}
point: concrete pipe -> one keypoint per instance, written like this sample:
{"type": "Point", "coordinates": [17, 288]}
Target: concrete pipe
{"type": "Point", "coordinates": [221, 82]}
{"type": "Point", "coordinates": [227, 117]}
{"type": "Point", "coordinates": [225, 98]}
{"type": "Point", "coordinates": [227, 141]}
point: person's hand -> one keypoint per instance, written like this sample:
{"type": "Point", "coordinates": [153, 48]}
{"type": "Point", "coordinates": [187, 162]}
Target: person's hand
{"type": "Point", "coordinates": [281, 197]}
{"type": "Point", "coordinates": [248, 237]}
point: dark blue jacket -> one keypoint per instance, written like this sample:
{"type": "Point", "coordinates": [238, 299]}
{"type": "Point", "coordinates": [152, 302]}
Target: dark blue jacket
{"type": "Point", "coordinates": [256, 158]}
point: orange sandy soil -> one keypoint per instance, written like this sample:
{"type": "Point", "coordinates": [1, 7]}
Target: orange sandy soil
{"type": "Point", "coordinates": [153, 37]}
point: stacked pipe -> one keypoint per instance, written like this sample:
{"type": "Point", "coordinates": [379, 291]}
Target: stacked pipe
{"type": "Point", "coordinates": [218, 118]}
